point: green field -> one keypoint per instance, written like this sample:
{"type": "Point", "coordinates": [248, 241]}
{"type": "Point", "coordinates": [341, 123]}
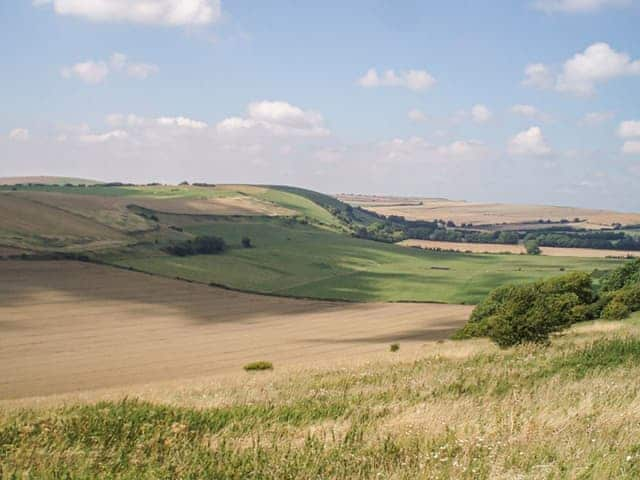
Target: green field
{"type": "Point", "coordinates": [303, 261]}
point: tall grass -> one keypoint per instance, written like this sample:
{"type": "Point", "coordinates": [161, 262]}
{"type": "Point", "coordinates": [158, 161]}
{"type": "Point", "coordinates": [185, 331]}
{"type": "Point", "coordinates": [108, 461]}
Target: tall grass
{"type": "Point", "coordinates": [567, 411]}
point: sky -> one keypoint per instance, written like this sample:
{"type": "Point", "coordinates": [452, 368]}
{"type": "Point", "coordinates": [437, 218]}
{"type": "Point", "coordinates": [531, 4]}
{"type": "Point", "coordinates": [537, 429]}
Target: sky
{"type": "Point", "coordinates": [524, 101]}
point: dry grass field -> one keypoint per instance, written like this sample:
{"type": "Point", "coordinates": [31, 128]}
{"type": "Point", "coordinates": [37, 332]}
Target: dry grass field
{"type": "Point", "coordinates": [489, 213]}
{"type": "Point", "coordinates": [517, 249]}
{"type": "Point", "coordinates": [68, 326]}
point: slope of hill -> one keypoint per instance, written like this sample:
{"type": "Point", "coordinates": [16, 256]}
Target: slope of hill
{"type": "Point", "coordinates": [489, 214]}
{"type": "Point", "coordinates": [47, 180]}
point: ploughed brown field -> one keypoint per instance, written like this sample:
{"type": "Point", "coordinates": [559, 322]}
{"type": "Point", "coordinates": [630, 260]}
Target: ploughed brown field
{"type": "Point", "coordinates": [517, 249]}
{"type": "Point", "coordinates": [488, 213]}
{"type": "Point", "coordinates": [68, 326]}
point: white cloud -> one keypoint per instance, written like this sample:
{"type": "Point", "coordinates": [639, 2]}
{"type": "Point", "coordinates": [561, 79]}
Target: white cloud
{"type": "Point", "coordinates": [529, 111]}
{"type": "Point", "coordinates": [278, 118]}
{"type": "Point", "coordinates": [417, 149]}
{"type": "Point", "coordinates": [118, 120]}
{"type": "Point", "coordinates": [529, 142]}
{"type": "Point", "coordinates": [120, 62]}
{"type": "Point", "coordinates": [152, 12]}
{"type": "Point", "coordinates": [593, 119]}
{"type": "Point", "coordinates": [92, 72]}
{"type": "Point", "coordinates": [597, 64]}
{"type": "Point", "coordinates": [580, 75]}
{"type": "Point", "coordinates": [19, 134]}
{"type": "Point", "coordinates": [631, 147]}
{"type": "Point", "coordinates": [89, 72]}
{"type": "Point", "coordinates": [416, 115]}
{"type": "Point", "coordinates": [415, 80]}
{"type": "Point", "coordinates": [103, 137]}
{"type": "Point", "coordinates": [577, 6]}
{"type": "Point", "coordinates": [480, 114]}
{"type": "Point", "coordinates": [538, 75]}
{"type": "Point", "coordinates": [629, 129]}
{"type": "Point", "coordinates": [181, 122]}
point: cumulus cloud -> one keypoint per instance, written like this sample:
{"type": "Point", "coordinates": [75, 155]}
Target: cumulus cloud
{"type": "Point", "coordinates": [181, 122]}
{"type": "Point", "coordinates": [631, 147]}
{"type": "Point", "coordinates": [580, 75]}
{"type": "Point", "coordinates": [597, 64]}
{"type": "Point", "coordinates": [480, 114]}
{"type": "Point", "coordinates": [416, 80]}
{"type": "Point", "coordinates": [629, 129]}
{"type": "Point", "coordinates": [89, 72]}
{"type": "Point", "coordinates": [538, 75]}
{"type": "Point", "coordinates": [19, 135]}
{"type": "Point", "coordinates": [577, 6]}
{"type": "Point", "coordinates": [93, 72]}
{"type": "Point", "coordinates": [593, 119]}
{"type": "Point", "coordinates": [151, 12]}
{"type": "Point", "coordinates": [530, 142]}
{"type": "Point", "coordinates": [416, 115]}
{"type": "Point", "coordinates": [277, 118]}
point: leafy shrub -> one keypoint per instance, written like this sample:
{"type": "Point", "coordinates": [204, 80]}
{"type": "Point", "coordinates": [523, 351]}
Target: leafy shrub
{"type": "Point", "coordinates": [532, 247]}
{"type": "Point", "coordinates": [394, 347]}
{"type": "Point", "coordinates": [529, 313]}
{"type": "Point", "coordinates": [246, 242]}
{"type": "Point", "coordinates": [260, 365]}
{"type": "Point", "coordinates": [626, 275]}
{"type": "Point", "coordinates": [615, 310]}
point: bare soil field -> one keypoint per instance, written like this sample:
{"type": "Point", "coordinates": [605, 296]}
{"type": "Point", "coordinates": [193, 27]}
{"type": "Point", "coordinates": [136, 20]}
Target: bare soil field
{"type": "Point", "coordinates": [517, 249]}
{"type": "Point", "coordinates": [489, 213]}
{"type": "Point", "coordinates": [68, 326]}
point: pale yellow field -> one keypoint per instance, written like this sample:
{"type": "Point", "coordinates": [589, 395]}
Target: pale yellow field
{"type": "Point", "coordinates": [517, 249]}
{"type": "Point", "coordinates": [489, 213]}
{"type": "Point", "coordinates": [67, 326]}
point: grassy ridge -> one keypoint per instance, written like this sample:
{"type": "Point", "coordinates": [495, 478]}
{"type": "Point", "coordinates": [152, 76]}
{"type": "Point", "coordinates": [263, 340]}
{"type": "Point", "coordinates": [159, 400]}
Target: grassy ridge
{"type": "Point", "coordinates": [298, 260]}
{"type": "Point", "coordinates": [465, 411]}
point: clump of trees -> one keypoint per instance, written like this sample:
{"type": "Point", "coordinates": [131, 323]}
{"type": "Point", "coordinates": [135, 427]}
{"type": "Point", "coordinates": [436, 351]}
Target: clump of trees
{"type": "Point", "coordinates": [532, 247]}
{"type": "Point", "coordinates": [204, 245]}
{"type": "Point", "coordinates": [515, 314]}
{"type": "Point", "coordinates": [246, 242]}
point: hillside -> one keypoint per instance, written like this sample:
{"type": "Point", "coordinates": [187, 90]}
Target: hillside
{"type": "Point", "coordinates": [304, 243]}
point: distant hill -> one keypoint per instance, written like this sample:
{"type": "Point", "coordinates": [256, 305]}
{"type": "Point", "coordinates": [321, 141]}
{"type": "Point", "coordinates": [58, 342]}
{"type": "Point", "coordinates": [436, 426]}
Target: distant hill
{"type": "Point", "coordinates": [46, 180]}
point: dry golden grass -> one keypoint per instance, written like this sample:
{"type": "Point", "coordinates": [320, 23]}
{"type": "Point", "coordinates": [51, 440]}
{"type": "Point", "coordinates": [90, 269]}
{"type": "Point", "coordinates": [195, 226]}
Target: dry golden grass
{"type": "Point", "coordinates": [490, 213]}
{"type": "Point", "coordinates": [446, 410]}
{"type": "Point", "coordinates": [70, 326]}
{"type": "Point", "coordinates": [517, 249]}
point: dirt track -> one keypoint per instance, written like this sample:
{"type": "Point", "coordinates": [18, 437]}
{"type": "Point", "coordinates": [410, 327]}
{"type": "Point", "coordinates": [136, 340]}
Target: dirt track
{"type": "Point", "coordinates": [517, 249]}
{"type": "Point", "coordinates": [67, 326]}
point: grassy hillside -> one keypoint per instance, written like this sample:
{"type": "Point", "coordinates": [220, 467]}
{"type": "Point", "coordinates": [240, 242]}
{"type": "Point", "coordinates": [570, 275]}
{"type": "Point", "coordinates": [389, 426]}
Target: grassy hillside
{"type": "Point", "coordinates": [300, 260]}
{"type": "Point", "coordinates": [456, 410]}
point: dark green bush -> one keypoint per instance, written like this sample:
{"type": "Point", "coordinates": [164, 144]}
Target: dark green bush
{"type": "Point", "coordinates": [529, 313]}
{"type": "Point", "coordinates": [628, 274]}
{"type": "Point", "coordinates": [394, 347]}
{"type": "Point", "coordinates": [615, 310]}
{"type": "Point", "coordinates": [205, 245]}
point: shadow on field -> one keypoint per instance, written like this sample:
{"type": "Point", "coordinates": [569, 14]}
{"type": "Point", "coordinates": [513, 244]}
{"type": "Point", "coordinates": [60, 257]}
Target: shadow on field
{"type": "Point", "coordinates": [92, 291]}
{"type": "Point", "coordinates": [430, 333]}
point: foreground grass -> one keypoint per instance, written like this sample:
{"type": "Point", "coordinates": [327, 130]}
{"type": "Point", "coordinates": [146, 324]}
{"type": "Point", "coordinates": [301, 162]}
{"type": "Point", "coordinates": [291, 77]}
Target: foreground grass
{"type": "Point", "coordinates": [298, 260]}
{"type": "Point", "coordinates": [460, 410]}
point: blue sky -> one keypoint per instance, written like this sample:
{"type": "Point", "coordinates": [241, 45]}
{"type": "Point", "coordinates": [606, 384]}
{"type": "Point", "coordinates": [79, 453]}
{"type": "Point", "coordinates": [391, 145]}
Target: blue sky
{"type": "Point", "coordinates": [523, 101]}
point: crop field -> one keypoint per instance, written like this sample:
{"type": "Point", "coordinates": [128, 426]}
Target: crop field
{"type": "Point", "coordinates": [517, 249]}
{"type": "Point", "coordinates": [302, 261]}
{"type": "Point", "coordinates": [490, 213]}
{"type": "Point", "coordinates": [68, 326]}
